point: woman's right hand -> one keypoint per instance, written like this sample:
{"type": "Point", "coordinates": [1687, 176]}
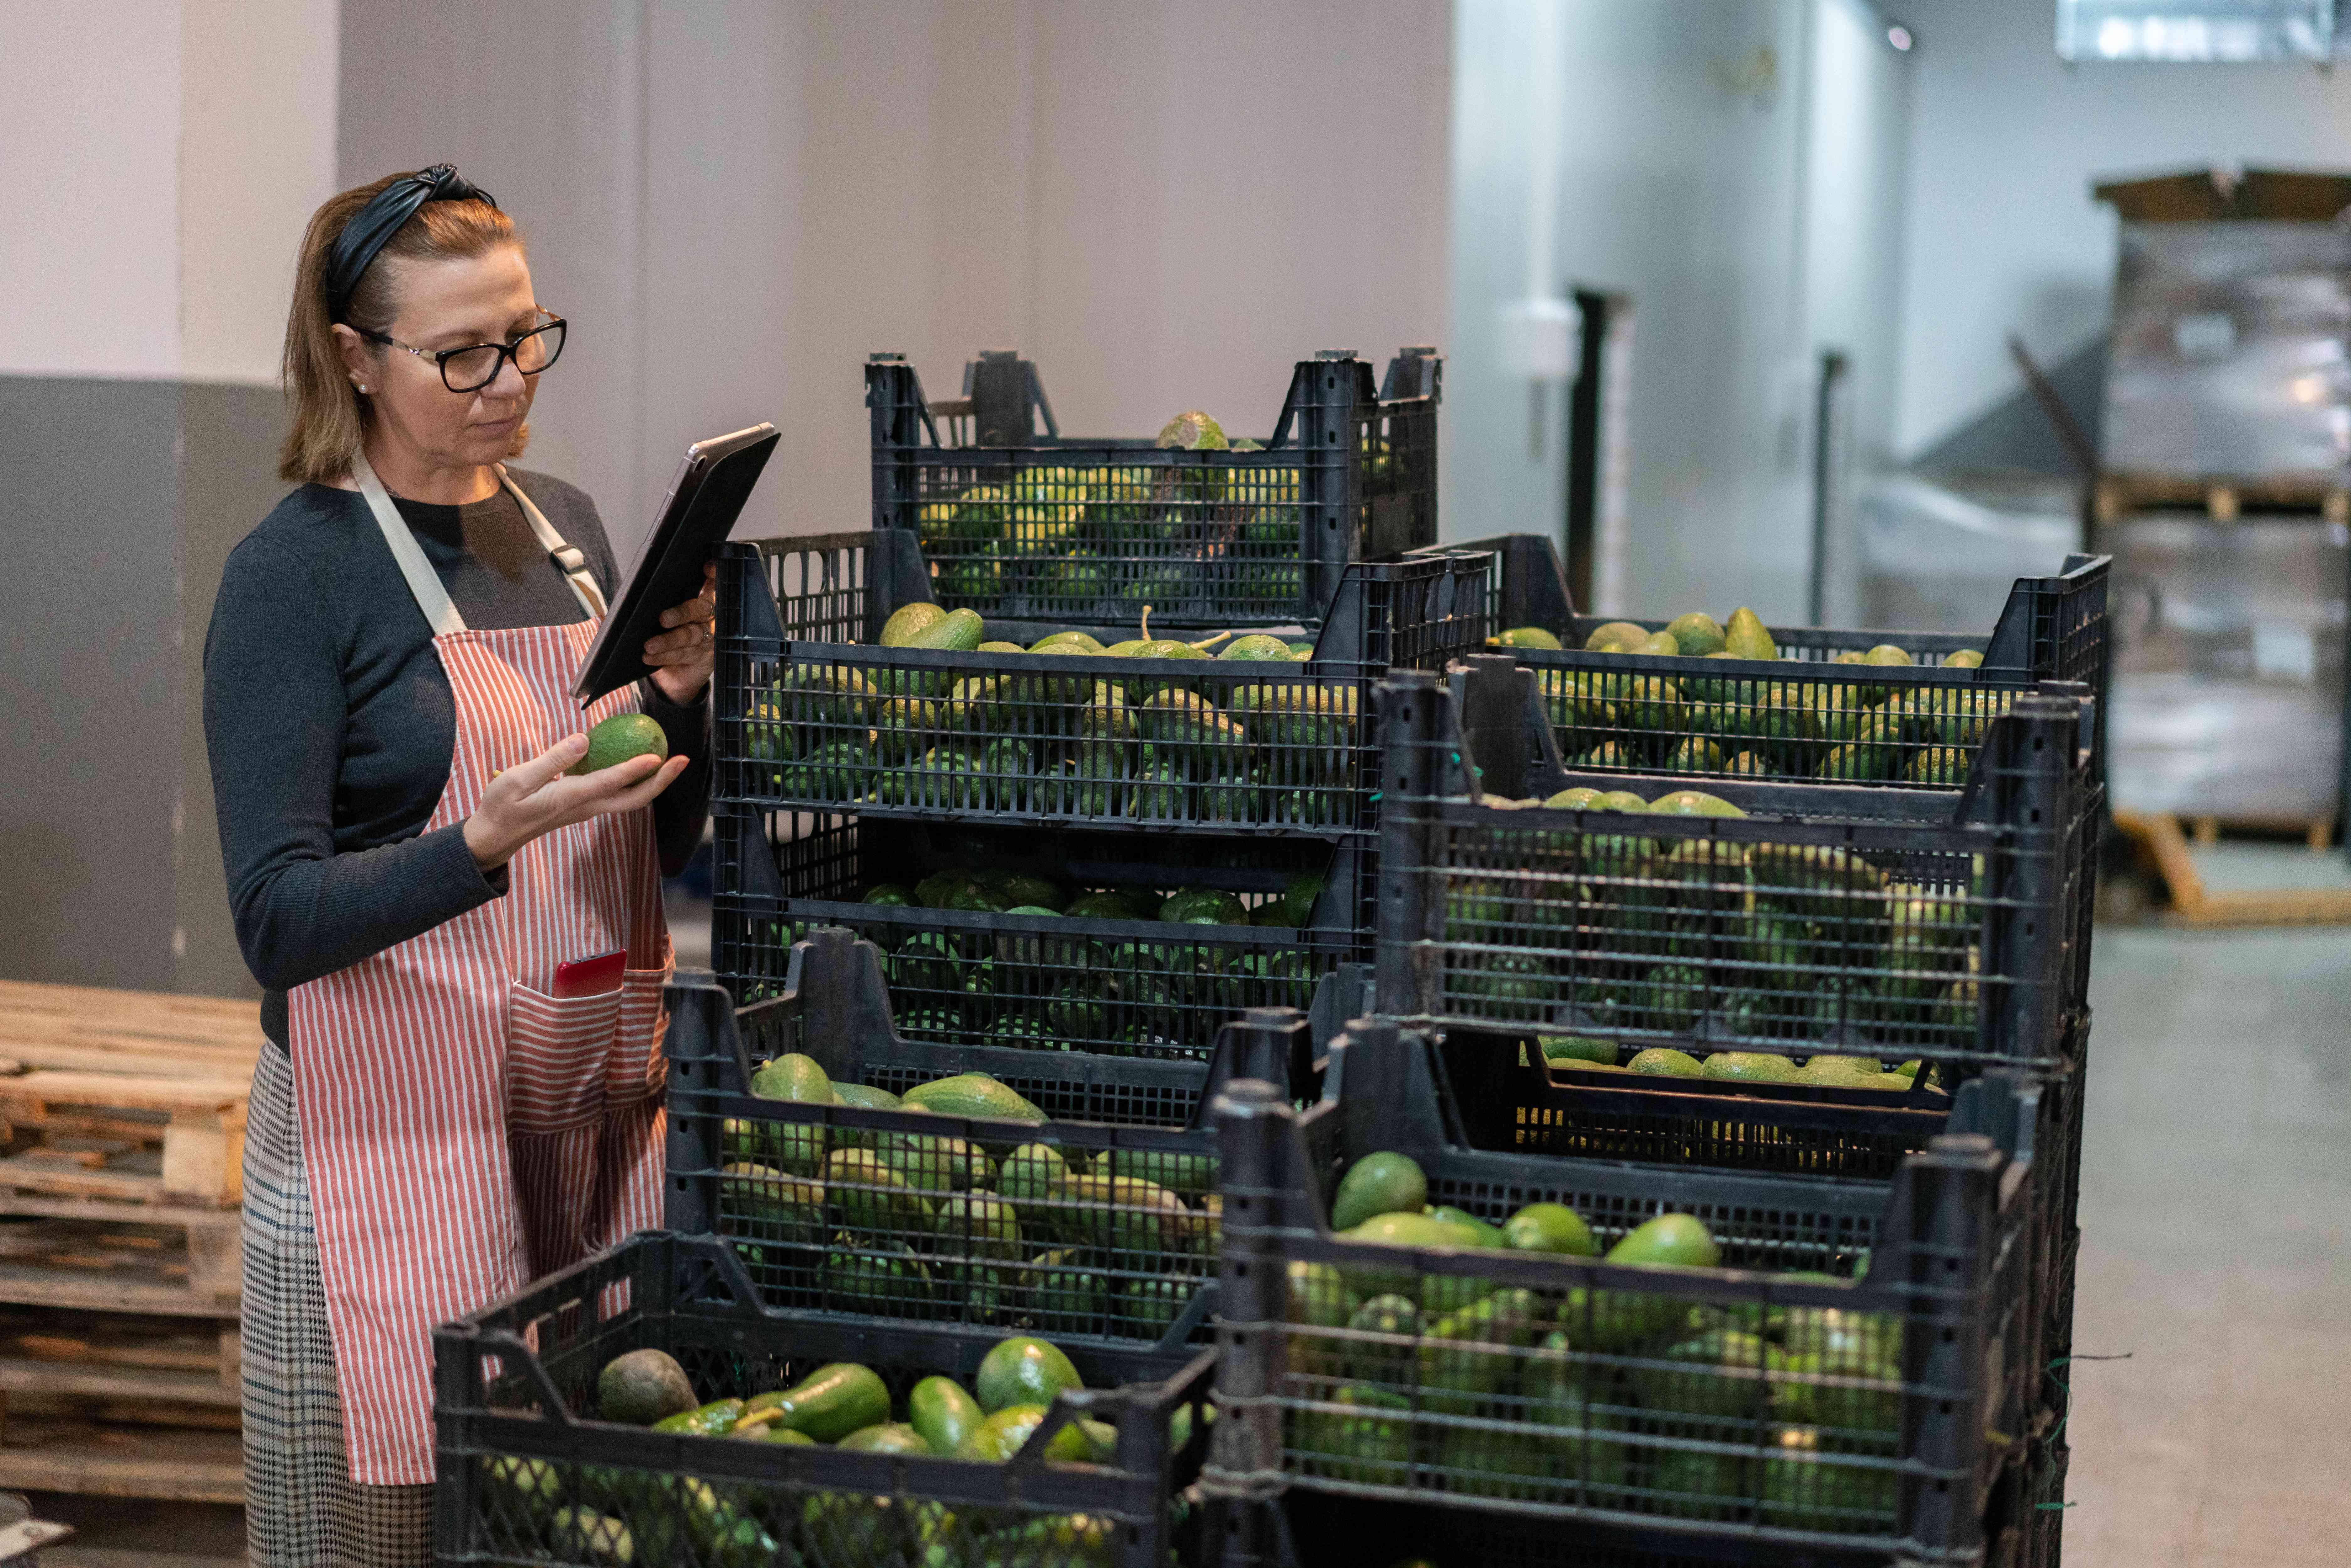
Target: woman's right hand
{"type": "Point", "coordinates": [536, 797]}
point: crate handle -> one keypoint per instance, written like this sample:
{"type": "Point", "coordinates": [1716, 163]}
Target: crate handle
{"type": "Point", "coordinates": [509, 1347]}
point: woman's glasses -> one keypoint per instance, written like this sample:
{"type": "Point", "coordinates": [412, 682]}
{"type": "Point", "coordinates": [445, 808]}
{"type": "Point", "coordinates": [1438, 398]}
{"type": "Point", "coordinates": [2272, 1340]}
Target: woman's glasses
{"type": "Point", "coordinates": [477, 365]}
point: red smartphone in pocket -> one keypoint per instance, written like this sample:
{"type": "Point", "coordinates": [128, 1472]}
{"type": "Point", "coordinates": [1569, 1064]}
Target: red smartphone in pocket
{"type": "Point", "coordinates": [590, 977]}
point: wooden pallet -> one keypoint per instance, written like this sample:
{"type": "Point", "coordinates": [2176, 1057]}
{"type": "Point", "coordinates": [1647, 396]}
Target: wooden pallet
{"type": "Point", "coordinates": [2223, 500]}
{"type": "Point", "coordinates": [45, 1454]}
{"type": "Point", "coordinates": [172, 1263]}
{"type": "Point", "coordinates": [2192, 904]}
{"type": "Point", "coordinates": [129, 1096]}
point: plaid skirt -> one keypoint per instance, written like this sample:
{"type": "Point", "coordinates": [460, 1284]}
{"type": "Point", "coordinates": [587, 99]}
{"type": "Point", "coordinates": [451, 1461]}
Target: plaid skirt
{"type": "Point", "coordinates": [302, 1510]}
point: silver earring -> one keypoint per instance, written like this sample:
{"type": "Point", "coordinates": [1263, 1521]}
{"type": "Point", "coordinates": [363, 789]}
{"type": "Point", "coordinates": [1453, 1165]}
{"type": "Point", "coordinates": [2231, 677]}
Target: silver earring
{"type": "Point", "coordinates": [363, 389]}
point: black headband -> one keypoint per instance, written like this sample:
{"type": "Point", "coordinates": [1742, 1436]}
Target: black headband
{"type": "Point", "coordinates": [374, 224]}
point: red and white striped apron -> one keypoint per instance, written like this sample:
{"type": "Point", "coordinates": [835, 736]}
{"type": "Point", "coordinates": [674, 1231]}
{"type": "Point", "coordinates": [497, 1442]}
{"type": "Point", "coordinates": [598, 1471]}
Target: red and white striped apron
{"type": "Point", "coordinates": [465, 1130]}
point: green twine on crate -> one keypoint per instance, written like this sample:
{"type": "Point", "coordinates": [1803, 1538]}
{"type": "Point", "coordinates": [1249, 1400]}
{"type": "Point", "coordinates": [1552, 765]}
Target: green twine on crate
{"type": "Point", "coordinates": [2066, 1389]}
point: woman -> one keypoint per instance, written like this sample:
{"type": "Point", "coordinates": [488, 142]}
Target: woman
{"type": "Point", "coordinates": [387, 707]}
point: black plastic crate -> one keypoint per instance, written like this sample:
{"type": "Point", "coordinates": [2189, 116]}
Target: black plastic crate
{"type": "Point", "coordinates": [1597, 1397]}
{"type": "Point", "coordinates": [1053, 528]}
{"type": "Point", "coordinates": [1800, 716]}
{"type": "Point", "coordinates": [955, 1220]}
{"type": "Point", "coordinates": [1142, 988]}
{"type": "Point", "coordinates": [527, 1473]}
{"type": "Point", "coordinates": [828, 719]}
{"type": "Point", "coordinates": [1892, 924]}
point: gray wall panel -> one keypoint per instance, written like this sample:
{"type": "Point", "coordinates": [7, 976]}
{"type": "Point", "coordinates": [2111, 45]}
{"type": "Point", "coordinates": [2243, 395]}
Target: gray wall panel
{"type": "Point", "coordinates": [123, 499]}
{"type": "Point", "coordinates": [91, 739]}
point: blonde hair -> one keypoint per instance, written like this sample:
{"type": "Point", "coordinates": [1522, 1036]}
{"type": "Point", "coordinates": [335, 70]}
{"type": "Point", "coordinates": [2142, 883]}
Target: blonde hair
{"type": "Point", "coordinates": [331, 415]}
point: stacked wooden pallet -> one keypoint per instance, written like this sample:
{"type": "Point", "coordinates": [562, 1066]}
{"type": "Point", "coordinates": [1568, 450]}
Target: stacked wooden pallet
{"type": "Point", "coordinates": [122, 1144]}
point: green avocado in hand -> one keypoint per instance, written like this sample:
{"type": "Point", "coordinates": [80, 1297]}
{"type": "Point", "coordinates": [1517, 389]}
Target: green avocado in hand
{"type": "Point", "coordinates": [618, 738]}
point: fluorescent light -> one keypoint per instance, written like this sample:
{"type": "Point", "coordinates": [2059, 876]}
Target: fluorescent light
{"type": "Point", "coordinates": [2195, 32]}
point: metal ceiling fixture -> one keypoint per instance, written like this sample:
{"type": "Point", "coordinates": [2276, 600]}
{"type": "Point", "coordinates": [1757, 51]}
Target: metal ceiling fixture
{"type": "Point", "coordinates": [2196, 31]}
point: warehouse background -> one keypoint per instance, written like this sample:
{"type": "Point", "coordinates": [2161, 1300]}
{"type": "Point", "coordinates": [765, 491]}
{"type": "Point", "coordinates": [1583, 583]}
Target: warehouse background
{"type": "Point", "coordinates": [737, 201]}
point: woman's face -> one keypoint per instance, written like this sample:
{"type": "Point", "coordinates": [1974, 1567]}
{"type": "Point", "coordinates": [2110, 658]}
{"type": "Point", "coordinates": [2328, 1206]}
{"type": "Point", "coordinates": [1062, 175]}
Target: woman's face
{"type": "Point", "coordinates": [448, 305]}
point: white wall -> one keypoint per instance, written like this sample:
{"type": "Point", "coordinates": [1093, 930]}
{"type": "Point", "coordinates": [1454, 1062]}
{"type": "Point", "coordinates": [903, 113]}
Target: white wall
{"type": "Point", "coordinates": [1165, 205]}
{"type": "Point", "coordinates": [156, 152]}
{"type": "Point", "coordinates": [2003, 234]}
{"type": "Point", "coordinates": [1690, 133]}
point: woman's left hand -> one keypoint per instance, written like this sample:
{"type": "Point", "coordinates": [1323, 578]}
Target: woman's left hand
{"type": "Point", "coordinates": [682, 658]}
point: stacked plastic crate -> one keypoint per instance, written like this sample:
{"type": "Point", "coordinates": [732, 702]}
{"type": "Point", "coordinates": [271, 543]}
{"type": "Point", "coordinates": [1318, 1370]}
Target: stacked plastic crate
{"type": "Point", "coordinates": [1859, 1370]}
{"type": "Point", "coordinates": [1069, 850]}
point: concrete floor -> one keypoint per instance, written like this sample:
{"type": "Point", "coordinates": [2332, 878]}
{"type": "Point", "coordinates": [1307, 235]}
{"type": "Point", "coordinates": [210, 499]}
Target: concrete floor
{"type": "Point", "coordinates": [2216, 1253]}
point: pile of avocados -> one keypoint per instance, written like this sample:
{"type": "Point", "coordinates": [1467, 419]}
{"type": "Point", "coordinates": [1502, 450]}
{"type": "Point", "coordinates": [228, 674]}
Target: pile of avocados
{"type": "Point", "coordinates": [1823, 1069]}
{"type": "Point", "coordinates": [1225, 750]}
{"type": "Point", "coordinates": [1097, 543]}
{"type": "Point", "coordinates": [1018, 1235]}
{"type": "Point", "coordinates": [628, 1518]}
{"type": "Point", "coordinates": [1820, 724]}
{"type": "Point", "coordinates": [1400, 1379]}
{"type": "Point", "coordinates": [1769, 941]}
{"type": "Point", "coordinates": [1160, 988]}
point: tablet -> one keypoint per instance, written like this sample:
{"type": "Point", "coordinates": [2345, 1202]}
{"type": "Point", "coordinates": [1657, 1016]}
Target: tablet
{"type": "Point", "coordinates": [705, 499]}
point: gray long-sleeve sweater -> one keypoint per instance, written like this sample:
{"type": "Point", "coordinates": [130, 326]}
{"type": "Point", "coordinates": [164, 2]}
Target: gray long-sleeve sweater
{"type": "Point", "coordinates": [330, 722]}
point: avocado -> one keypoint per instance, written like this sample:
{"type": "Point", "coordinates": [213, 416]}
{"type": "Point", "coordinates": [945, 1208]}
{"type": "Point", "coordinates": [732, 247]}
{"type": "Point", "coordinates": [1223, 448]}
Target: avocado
{"type": "Point", "coordinates": [1007, 1431]}
{"type": "Point", "coordinates": [1488, 1236]}
{"type": "Point", "coordinates": [1750, 1067]}
{"type": "Point", "coordinates": [886, 1437]}
{"type": "Point", "coordinates": [971, 1094]}
{"type": "Point", "coordinates": [872, 1197]}
{"type": "Point", "coordinates": [1547, 1227]}
{"type": "Point", "coordinates": [1662, 1063]}
{"type": "Point", "coordinates": [580, 1534]}
{"type": "Point", "coordinates": [1255, 645]}
{"type": "Point", "coordinates": [1204, 906]}
{"type": "Point", "coordinates": [1370, 1442]}
{"type": "Point", "coordinates": [792, 1077]}
{"type": "Point", "coordinates": [618, 738]}
{"type": "Point", "coordinates": [958, 631]}
{"type": "Point", "coordinates": [864, 1098]}
{"type": "Point", "coordinates": [908, 620]}
{"type": "Point", "coordinates": [944, 1413]}
{"type": "Point", "coordinates": [1693, 803]}
{"type": "Point", "coordinates": [1680, 1239]}
{"type": "Point", "coordinates": [1965, 659]}
{"type": "Point", "coordinates": [1696, 754]}
{"type": "Point", "coordinates": [1577, 1048]}
{"type": "Point", "coordinates": [712, 1420]}
{"type": "Point", "coordinates": [1886, 654]}
{"type": "Point", "coordinates": [1744, 636]}
{"type": "Point", "coordinates": [1192, 431]}
{"type": "Point", "coordinates": [1105, 906]}
{"type": "Point", "coordinates": [1658, 645]}
{"type": "Point", "coordinates": [1031, 1172]}
{"type": "Point", "coordinates": [1620, 800]}
{"type": "Point", "coordinates": [1580, 798]}
{"type": "Point", "coordinates": [828, 1405]}
{"type": "Point", "coordinates": [642, 1386]}
{"type": "Point", "coordinates": [1526, 637]}
{"type": "Point", "coordinates": [1023, 1369]}
{"type": "Point", "coordinates": [1698, 634]}
{"type": "Point", "coordinates": [1939, 767]}
{"type": "Point", "coordinates": [1381, 1182]}
{"type": "Point", "coordinates": [1617, 637]}
{"type": "Point", "coordinates": [1066, 643]}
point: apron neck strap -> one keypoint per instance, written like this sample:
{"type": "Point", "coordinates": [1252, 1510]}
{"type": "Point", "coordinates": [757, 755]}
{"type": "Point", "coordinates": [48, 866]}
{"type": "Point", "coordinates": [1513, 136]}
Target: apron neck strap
{"type": "Point", "coordinates": [567, 557]}
{"type": "Point", "coordinates": [424, 584]}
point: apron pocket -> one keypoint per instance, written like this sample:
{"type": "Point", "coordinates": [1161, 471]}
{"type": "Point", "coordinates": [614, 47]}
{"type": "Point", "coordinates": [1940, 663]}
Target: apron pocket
{"type": "Point", "coordinates": [637, 1066]}
{"type": "Point", "coordinates": [557, 1053]}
